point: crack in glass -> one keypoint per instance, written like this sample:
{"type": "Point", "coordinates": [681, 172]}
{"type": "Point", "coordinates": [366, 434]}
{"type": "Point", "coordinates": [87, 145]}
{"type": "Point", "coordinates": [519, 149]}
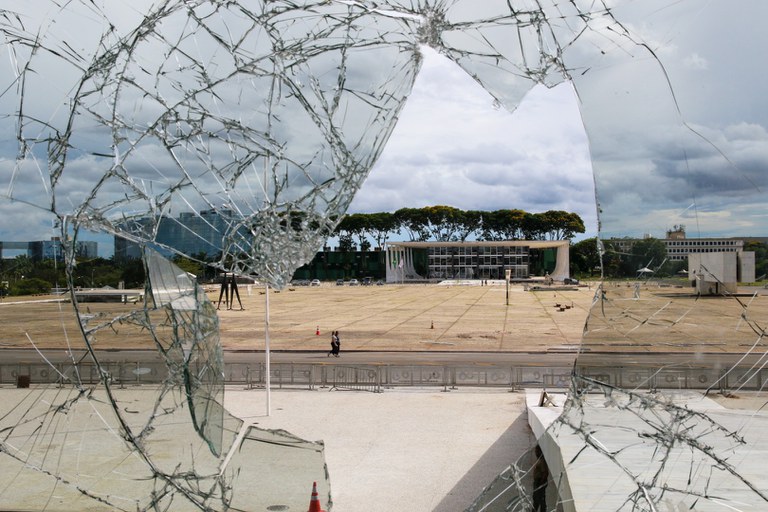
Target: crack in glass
{"type": "Point", "coordinates": [248, 127]}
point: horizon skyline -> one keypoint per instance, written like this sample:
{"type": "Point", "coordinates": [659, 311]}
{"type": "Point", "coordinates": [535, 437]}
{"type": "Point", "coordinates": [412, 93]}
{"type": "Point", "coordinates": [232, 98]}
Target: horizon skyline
{"type": "Point", "coordinates": [104, 240]}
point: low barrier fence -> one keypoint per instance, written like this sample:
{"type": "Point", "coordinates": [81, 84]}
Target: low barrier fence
{"type": "Point", "coordinates": [378, 378]}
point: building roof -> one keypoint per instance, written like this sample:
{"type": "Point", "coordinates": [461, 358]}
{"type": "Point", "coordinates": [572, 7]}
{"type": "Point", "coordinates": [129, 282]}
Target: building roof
{"type": "Point", "coordinates": [536, 244]}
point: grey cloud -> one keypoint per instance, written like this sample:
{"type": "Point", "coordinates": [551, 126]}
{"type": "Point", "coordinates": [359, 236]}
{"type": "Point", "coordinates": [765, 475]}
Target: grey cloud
{"type": "Point", "coordinates": [21, 223]}
{"type": "Point", "coordinates": [484, 153]}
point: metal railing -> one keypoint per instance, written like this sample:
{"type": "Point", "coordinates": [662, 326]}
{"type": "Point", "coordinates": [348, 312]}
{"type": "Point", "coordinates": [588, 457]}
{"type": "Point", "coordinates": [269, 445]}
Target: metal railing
{"type": "Point", "coordinates": [380, 377]}
{"type": "Point", "coordinates": [355, 378]}
{"type": "Point", "coordinates": [281, 375]}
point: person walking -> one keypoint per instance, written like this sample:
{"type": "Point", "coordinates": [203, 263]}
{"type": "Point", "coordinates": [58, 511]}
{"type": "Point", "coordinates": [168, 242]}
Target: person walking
{"type": "Point", "coordinates": [338, 343]}
{"type": "Point", "coordinates": [333, 345]}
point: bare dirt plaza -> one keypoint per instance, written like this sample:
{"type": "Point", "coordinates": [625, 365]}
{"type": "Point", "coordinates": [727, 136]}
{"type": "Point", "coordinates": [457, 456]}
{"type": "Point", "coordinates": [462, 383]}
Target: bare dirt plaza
{"type": "Point", "coordinates": [424, 318]}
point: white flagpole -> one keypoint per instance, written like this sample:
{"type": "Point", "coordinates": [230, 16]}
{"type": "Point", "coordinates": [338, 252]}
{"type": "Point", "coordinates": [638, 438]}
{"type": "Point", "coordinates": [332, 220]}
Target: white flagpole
{"type": "Point", "coordinates": [266, 341]}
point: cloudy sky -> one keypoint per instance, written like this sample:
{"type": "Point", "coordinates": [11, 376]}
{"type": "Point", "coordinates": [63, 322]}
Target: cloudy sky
{"type": "Point", "coordinates": [455, 146]}
{"type": "Point", "coordinates": [666, 115]}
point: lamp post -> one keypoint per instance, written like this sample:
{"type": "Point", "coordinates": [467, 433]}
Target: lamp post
{"type": "Point", "coordinates": [507, 275]}
{"type": "Point", "coordinates": [266, 348]}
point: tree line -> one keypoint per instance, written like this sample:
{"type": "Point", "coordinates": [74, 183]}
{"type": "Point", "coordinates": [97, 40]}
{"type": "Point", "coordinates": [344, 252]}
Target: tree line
{"type": "Point", "coordinates": [23, 275]}
{"type": "Point", "coordinates": [448, 224]}
{"type": "Point", "coordinates": [648, 252]}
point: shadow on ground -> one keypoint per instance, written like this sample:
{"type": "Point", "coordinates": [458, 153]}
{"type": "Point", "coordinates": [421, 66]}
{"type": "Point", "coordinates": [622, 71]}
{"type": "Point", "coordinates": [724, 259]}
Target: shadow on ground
{"type": "Point", "coordinates": [512, 444]}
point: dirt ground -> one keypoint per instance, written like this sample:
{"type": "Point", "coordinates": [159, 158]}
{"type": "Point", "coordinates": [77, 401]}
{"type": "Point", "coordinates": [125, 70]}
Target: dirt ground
{"type": "Point", "coordinates": [390, 317]}
{"type": "Point", "coordinates": [426, 318]}
{"type": "Point", "coordinates": [410, 317]}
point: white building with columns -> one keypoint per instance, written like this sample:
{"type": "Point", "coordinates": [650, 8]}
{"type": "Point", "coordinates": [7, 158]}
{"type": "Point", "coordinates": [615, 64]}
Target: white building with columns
{"type": "Point", "coordinates": [471, 260]}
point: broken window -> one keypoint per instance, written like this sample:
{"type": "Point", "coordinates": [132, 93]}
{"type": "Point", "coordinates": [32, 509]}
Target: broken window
{"type": "Point", "coordinates": [247, 128]}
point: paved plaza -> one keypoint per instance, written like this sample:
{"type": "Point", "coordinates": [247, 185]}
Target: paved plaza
{"type": "Point", "coordinates": [407, 450]}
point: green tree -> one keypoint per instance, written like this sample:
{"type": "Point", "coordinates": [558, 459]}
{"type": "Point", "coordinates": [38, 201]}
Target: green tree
{"type": "Point", "coordinates": [614, 265]}
{"type": "Point", "coordinates": [472, 224]}
{"type": "Point", "coordinates": [189, 265]}
{"type": "Point", "coordinates": [560, 225]}
{"type": "Point", "coordinates": [585, 258]}
{"type": "Point", "coordinates": [30, 286]}
{"type": "Point", "coordinates": [533, 227]}
{"type": "Point", "coordinates": [444, 223]}
{"type": "Point", "coordinates": [381, 225]}
{"type": "Point", "coordinates": [352, 225]}
{"type": "Point", "coordinates": [132, 273]}
{"type": "Point", "coordinates": [415, 223]}
{"type": "Point", "coordinates": [346, 243]}
{"type": "Point", "coordinates": [503, 225]}
{"type": "Point", "coordinates": [761, 257]}
{"type": "Point", "coordinates": [22, 266]}
{"type": "Point", "coordinates": [50, 271]}
{"type": "Point", "coordinates": [648, 252]}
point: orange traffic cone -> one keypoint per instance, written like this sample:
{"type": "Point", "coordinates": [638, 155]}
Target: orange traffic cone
{"type": "Point", "coordinates": [317, 331]}
{"type": "Point", "coordinates": [314, 501]}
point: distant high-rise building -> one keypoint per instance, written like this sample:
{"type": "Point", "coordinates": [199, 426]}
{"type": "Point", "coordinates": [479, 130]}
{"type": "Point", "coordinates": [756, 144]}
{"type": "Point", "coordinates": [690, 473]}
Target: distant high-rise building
{"type": "Point", "coordinates": [87, 249]}
{"type": "Point", "coordinates": [51, 249]}
{"type": "Point", "coordinates": [189, 233]}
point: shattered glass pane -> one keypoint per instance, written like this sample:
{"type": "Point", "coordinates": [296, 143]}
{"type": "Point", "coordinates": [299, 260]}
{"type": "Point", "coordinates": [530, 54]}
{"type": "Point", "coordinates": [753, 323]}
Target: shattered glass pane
{"type": "Point", "coordinates": [193, 352]}
{"type": "Point", "coordinates": [266, 120]}
{"type": "Point", "coordinates": [110, 445]}
{"type": "Point", "coordinates": [247, 129]}
{"type": "Point", "coordinates": [679, 451]}
{"type": "Point", "coordinates": [523, 486]}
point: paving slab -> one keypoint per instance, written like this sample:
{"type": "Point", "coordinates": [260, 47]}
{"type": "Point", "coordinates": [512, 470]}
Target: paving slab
{"type": "Point", "coordinates": [417, 450]}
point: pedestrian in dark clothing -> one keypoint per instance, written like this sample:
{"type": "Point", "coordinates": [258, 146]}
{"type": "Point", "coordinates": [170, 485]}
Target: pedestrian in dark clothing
{"type": "Point", "coordinates": [335, 344]}
{"type": "Point", "coordinates": [338, 343]}
{"type": "Point", "coordinates": [540, 479]}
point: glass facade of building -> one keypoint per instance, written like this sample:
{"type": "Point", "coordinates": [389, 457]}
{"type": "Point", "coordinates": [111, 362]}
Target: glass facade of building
{"type": "Point", "coordinates": [478, 262]}
{"type": "Point", "coordinates": [51, 249]}
{"type": "Point", "coordinates": [189, 233]}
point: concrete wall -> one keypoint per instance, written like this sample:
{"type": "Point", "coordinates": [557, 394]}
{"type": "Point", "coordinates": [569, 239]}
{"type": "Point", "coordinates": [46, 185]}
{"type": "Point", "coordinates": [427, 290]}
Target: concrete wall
{"type": "Point", "coordinates": [713, 273]}
{"type": "Point", "coordinates": [746, 267]}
